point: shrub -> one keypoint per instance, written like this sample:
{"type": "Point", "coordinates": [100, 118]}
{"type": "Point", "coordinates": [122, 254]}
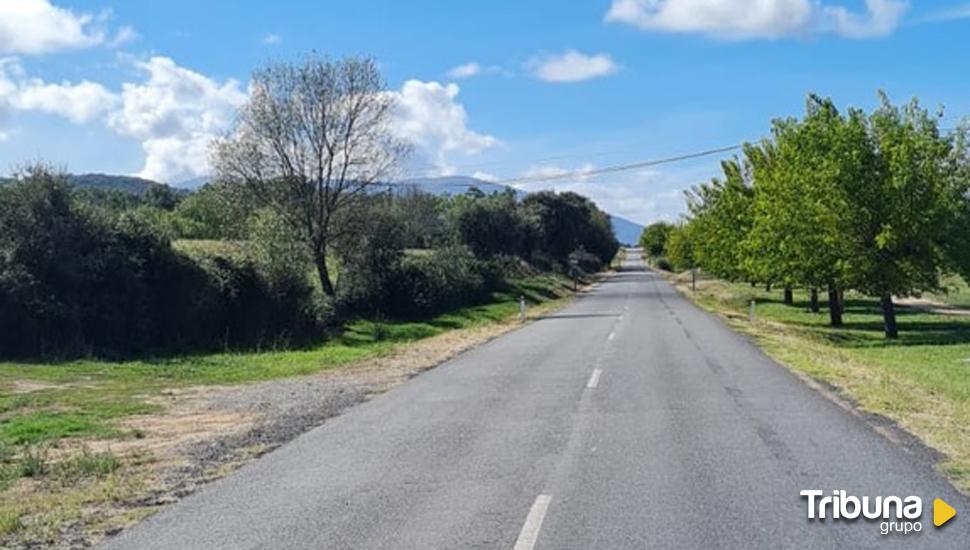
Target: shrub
{"type": "Point", "coordinates": [74, 281]}
{"type": "Point", "coordinates": [429, 284]}
{"type": "Point", "coordinates": [34, 461]}
{"type": "Point", "coordinates": [664, 264]}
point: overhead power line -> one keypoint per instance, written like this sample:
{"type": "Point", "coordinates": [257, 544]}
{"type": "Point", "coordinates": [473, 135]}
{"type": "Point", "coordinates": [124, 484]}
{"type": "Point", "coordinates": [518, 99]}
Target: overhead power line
{"type": "Point", "coordinates": [617, 168]}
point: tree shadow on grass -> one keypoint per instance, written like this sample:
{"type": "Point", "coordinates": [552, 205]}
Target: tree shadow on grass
{"type": "Point", "coordinates": [912, 332]}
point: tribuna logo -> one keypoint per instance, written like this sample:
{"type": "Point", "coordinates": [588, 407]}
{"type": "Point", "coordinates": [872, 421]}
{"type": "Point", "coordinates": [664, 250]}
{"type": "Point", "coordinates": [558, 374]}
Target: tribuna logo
{"type": "Point", "coordinates": [898, 515]}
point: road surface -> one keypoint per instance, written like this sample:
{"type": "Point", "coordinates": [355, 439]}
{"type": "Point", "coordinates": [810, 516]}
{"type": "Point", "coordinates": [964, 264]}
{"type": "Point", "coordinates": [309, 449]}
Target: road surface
{"type": "Point", "coordinates": [630, 419]}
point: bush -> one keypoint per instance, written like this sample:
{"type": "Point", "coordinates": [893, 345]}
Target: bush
{"type": "Point", "coordinates": [429, 284]}
{"type": "Point", "coordinates": [76, 282]}
{"type": "Point", "coordinates": [34, 462]}
{"type": "Point", "coordinates": [664, 264]}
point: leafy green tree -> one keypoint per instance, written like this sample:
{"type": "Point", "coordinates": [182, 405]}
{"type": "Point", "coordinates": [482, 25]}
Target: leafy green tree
{"type": "Point", "coordinates": [653, 240]}
{"type": "Point", "coordinates": [214, 212]}
{"type": "Point", "coordinates": [906, 190]}
{"type": "Point", "coordinates": [680, 246]}
{"type": "Point", "coordinates": [568, 221]}
{"type": "Point", "coordinates": [800, 210]}
{"type": "Point", "coordinates": [491, 225]}
{"type": "Point", "coordinates": [721, 217]}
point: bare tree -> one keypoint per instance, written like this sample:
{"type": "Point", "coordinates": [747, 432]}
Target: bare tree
{"type": "Point", "coordinates": [310, 141]}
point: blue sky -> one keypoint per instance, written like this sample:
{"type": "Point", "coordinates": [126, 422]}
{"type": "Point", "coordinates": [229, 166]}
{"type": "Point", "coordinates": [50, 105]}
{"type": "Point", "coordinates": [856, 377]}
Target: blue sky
{"type": "Point", "coordinates": [500, 89]}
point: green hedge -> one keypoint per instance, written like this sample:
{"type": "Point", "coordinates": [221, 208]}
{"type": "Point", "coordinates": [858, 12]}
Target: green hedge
{"type": "Point", "coordinates": [73, 282]}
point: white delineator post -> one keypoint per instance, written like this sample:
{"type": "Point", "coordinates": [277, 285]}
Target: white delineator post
{"type": "Point", "coordinates": [521, 308]}
{"type": "Point", "coordinates": [751, 312]}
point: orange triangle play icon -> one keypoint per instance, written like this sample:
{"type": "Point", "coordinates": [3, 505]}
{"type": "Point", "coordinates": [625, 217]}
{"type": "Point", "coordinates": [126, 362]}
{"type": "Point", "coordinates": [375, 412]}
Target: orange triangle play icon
{"type": "Point", "coordinates": [942, 512]}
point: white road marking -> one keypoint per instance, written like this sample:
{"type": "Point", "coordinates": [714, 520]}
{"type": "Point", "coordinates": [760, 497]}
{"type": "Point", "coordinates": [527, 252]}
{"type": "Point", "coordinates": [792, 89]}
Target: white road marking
{"type": "Point", "coordinates": [594, 379]}
{"type": "Point", "coordinates": [533, 522]}
{"type": "Point", "coordinates": [611, 336]}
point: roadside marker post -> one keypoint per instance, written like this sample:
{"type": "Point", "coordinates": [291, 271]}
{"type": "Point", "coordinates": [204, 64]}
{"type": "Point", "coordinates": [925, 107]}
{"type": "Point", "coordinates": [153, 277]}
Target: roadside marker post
{"type": "Point", "coordinates": [521, 308]}
{"type": "Point", "coordinates": [751, 312]}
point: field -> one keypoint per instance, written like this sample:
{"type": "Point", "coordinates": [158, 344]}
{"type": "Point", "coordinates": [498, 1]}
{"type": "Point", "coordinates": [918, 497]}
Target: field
{"type": "Point", "coordinates": [921, 381]}
{"type": "Point", "coordinates": [78, 442]}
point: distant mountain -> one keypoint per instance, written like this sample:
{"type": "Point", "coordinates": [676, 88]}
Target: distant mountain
{"type": "Point", "coordinates": [193, 183]}
{"type": "Point", "coordinates": [106, 182]}
{"type": "Point", "coordinates": [627, 232]}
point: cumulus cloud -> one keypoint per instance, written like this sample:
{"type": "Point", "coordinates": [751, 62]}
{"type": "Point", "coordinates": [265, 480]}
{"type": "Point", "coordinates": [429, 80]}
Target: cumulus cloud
{"type": "Point", "coordinates": [37, 27]}
{"type": "Point", "coordinates": [175, 113]}
{"type": "Point", "coordinates": [571, 66]}
{"type": "Point", "coordinates": [79, 103]}
{"type": "Point", "coordinates": [428, 116]}
{"type": "Point", "coordinates": [743, 19]}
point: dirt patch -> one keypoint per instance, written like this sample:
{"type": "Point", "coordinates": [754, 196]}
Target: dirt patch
{"type": "Point", "coordinates": [27, 386]}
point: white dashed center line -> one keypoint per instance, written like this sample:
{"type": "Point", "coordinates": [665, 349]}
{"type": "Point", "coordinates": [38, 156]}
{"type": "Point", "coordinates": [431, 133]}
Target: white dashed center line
{"type": "Point", "coordinates": [533, 522]}
{"type": "Point", "coordinates": [594, 379]}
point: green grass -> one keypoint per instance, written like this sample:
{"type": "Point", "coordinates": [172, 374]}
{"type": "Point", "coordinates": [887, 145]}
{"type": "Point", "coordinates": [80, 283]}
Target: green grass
{"type": "Point", "coordinates": [956, 292]}
{"type": "Point", "coordinates": [86, 398]}
{"type": "Point", "coordinates": [921, 380]}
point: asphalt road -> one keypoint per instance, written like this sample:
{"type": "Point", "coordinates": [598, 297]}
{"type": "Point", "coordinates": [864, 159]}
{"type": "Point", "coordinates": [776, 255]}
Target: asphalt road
{"type": "Point", "coordinates": [630, 419]}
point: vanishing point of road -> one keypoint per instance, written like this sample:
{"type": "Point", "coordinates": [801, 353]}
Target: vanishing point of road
{"type": "Point", "coordinates": [629, 419]}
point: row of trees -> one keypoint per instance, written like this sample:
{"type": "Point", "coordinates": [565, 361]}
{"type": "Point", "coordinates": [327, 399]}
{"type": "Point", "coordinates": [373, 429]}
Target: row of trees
{"type": "Point", "coordinates": [876, 203]}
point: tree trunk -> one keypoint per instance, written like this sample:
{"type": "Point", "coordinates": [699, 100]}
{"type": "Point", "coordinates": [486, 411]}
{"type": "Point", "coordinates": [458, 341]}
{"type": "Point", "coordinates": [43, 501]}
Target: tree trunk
{"type": "Point", "coordinates": [789, 296]}
{"type": "Point", "coordinates": [835, 309]}
{"type": "Point", "coordinates": [768, 287]}
{"type": "Point", "coordinates": [889, 317]}
{"type": "Point", "coordinates": [813, 300]}
{"type": "Point", "coordinates": [841, 300]}
{"type": "Point", "coordinates": [320, 260]}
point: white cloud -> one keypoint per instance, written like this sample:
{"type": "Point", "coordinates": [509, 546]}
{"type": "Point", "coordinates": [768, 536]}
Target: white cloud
{"type": "Point", "coordinates": [79, 103]}
{"type": "Point", "coordinates": [175, 113]}
{"type": "Point", "coordinates": [124, 35]}
{"type": "Point", "coordinates": [742, 19]}
{"type": "Point", "coordinates": [571, 66]}
{"type": "Point", "coordinates": [428, 116]}
{"type": "Point", "coordinates": [485, 176]}
{"type": "Point", "coordinates": [472, 68]}
{"type": "Point", "coordinates": [881, 19]}
{"type": "Point", "coordinates": [465, 71]}
{"type": "Point", "coordinates": [37, 26]}
{"type": "Point", "coordinates": [271, 39]}
{"type": "Point", "coordinates": [948, 14]}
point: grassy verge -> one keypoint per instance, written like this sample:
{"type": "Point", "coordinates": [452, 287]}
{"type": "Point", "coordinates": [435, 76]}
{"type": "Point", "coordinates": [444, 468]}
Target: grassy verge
{"type": "Point", "coordinates": [921, 381]}
{"type": "Point", "coordinates": [49, 412]}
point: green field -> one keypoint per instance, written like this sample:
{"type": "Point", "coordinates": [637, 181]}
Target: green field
{"type": "Point", "coordinates": [921, 380]}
